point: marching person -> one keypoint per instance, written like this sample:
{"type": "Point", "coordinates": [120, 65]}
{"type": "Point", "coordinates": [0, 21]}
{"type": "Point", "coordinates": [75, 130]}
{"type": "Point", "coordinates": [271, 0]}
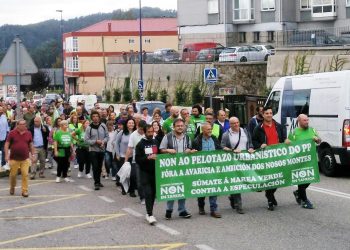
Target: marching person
{"type": "Point", "coordinates": [4, 129]}
{"type": "Point", "coordinates": [176, 142]}
{"type": "Point", "coordinates": [256, 119]}
{"type": "Point", "coordinates": [222, 121]}
{"type": "Point", "coordinates": [40, 134]}
{"type": "Point", "coordinates": [168, 123]}
{"type": "Point", "coordinates": [236, 139]}
{"type": "Point", "coordinates": [20, 142]}
{"type": "Point", "coordinates": [267, 133]}
{"type": "Point", "coordinates": [207, 142]}
{"type": "Point", "coordinates": [96, 135]}
{"type": "Point", "coordinates": [145, 154]}
{"type": "Point", "coordinates": [303, 132]}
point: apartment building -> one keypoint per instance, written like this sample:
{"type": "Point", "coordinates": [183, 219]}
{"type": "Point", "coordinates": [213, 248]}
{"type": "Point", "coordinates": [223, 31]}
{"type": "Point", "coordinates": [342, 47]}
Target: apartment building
{"type": "Point", "coordinates": [87, 51]}
{"type": "Point", "coordinates": [232, 22]}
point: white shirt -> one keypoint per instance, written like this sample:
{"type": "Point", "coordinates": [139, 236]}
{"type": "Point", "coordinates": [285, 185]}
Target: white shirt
{"type": "Point", "coordinates": [234, 137]}
{"type": "Point", "coordinates": [135, 138]}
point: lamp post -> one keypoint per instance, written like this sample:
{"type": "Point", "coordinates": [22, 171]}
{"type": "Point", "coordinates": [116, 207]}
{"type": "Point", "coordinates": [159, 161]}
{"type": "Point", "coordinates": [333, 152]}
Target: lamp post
{"type": "Point", "coordinates": [140, 55]}
{"type": "Point", "coordinates": [61, 31]}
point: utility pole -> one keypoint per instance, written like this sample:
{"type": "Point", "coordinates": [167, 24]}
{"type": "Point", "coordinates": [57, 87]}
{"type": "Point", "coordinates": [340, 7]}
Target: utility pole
{"type": "Point", "coordinates": [62, 52]}
{"type": "Point", "coordinates": [140, 55]}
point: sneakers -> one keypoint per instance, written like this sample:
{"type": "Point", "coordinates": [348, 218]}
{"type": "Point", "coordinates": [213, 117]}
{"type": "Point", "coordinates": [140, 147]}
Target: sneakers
{"type": "Point", "coordinates": [58, 179]}
{"type": "Point", "coordinates": [25, 194]}
{"type": "Point", "coordinates": [100, 185]}
{"type": "Point", "coordinates": [80, 174]}
{"type": "Point", "coordinates": [6, 167]}
{"type": "Point", "coordinates": [307, 204]}
{"type": "Point", "coordinates": [132, 194]}
{"type": "Point", "coordinates": [297, 198]}
{"type": "Point", "coordinates": [88, 176]}
{"type": "Point", "coordinates": [114, 178]}
{"type": "Point", "coordinates": [32, 176]}
{"type": "Point", "coordinates": [123, 192]}
{"type": "Point", "coordinates": [76, 166]}
{"type": "Point", "coordinates": [239, 210]}
{"type": "Point", "coordinates": [106, 177]}
{"type": "Point", "coordinates": [67, 179]}
{"type": "Point", "coordinates": [270, 206]}
{"type": "Point", "coordinates": [168, 214]}
{"type": "Point", "coordinates": [97, 187]}
{"type": "Point", "coordinates": [201, 211]}
{"type": "Point", "coordinates": [215, 215]}
{"type": "Point", "coordinates": [143, 202]}
{"type": "Point", "coordinates": [185, 215]}
{"type": "Point", "coordinates": [151, 219]}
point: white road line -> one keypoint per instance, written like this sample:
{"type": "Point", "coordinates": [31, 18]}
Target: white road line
{"type": "Point", "coordinates": [330, 192]}
{"type": "Point", "coordinates": [106, 199]}
{"type": "Point", "coordinates": [85, 188]}
{"type": "Point", "coordinates": [132, 212]}
{"type": "Point", "coordinates": [204, 247]}
{"type": "Point", "coordinates": [167, 229]}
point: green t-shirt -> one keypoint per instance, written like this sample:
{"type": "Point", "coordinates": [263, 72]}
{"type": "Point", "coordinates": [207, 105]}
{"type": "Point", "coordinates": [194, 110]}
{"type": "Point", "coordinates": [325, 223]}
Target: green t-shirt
{"type": "Point", "coordinates": [168, 125]}
{"type": "Point", "coordinates": [197, 121]}
{"type": "Point", "coordinates": [64, 140]}
{"type": "Point", "coordinates": [302, 134]}
{"type": "Point", "coordinates": [73, 128]}
{"type": "Point", "coordinates": [191, 130]}
{"type": "Point", "coordinates": [80, 133]}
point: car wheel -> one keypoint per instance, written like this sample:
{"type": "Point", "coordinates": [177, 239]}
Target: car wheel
{"type": "Point", "coordinates": [328, 164]}
{"type": "Point", "coordinates": [243, 59]}
{"type": "Point", "coordinates": [266, 58]}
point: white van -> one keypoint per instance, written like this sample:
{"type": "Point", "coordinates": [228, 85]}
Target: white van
{"type": "Point", "coordinates": [325, 98]}
{"type": "Point", "coordinates": [90, 100]}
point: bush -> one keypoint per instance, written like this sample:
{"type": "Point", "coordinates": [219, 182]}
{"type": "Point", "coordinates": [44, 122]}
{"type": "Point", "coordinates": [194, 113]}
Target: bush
{"type": "Point", "coordinates": [108, 95]}
{"type": "Point", "coordinates": [126, 90]}
{"type": "Point", "coordinates": [151, 95]}
{"type": "Point", "coordinates": [163, 95]}
{"type": "Point", "coordinates": [117, 95]}
{"type": "Point", "coordinates": [181, 94]}
{"type": "Point", "coordinates": [196, 94]}
{"type": "Point", "coordinates": [136, 95]}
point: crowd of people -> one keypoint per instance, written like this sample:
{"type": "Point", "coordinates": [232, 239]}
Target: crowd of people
{"type": "Point", "coordinates": [60, 136]}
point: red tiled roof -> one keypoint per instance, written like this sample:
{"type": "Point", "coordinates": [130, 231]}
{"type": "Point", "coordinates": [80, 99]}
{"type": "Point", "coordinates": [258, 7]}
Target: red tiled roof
{"type": "Point", "coordinates": [148, 24]}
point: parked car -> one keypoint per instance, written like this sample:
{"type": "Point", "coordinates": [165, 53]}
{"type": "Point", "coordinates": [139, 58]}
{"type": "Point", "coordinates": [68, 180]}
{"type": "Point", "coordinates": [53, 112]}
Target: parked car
{"type": "Point", "coordinates": [151, 105]}
{"type": "Point", "coordinates": [50, 98]}
{"type": "Point", "coordinates": [241, 54]}
{"type": "Point", "coordinates": [37, 98]}
{"type": "Point", "coordinates": [209, 55]}
{"type": "Point", "coordinates": [269, 50]}
{"type": "Point", "coordinates": [191, 50]}
{"type": "Point", "coordinates": [166, 55]}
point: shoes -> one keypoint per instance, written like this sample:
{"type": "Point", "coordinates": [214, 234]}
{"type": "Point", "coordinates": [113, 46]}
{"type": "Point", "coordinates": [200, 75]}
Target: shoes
{"type": "Point", "coordinates": [307, 204]}
{"type": "Point", "coordinates": [12, 191]}
{"type": "Point", "coordinates": [97, 187]}
{"type": "Point", "coordinates": [106, 177]}
{"type": "Point", "coordinates": [88, 176]}
{"type": "Point", "coordinates": [6, 167]}
{"type": "Point", "coordinates": [143, 202]}
{"type": "Point", "coordinates": [80, 174]}
{"type": "Point", "coordinates": [232, 203]}
{"type": "Point", "coordinates": [201, 211]}
{"type": "Point", "coordinates": [25, 194]}
{"type": "Point", "coordinates": [123, 192]}
{"type": "Point", "coordinates": [297, 198]}
{"type": "Point", "coordinates": [67, 179]}
{"type": "Point", "coordinates": [32, 176]}
{"type": "Point", "coordinates": [270, 206]}
{"type": "Point", "coordinates": [151, 219]}
{"type": "Point", "coordinates": [58, 179]}
{"type": "Point", "coordinates": [46, 160]}
{"type": "Point", "coordinates": [118, 184]}
{"type": "Point", "coordinates": [41, 175]}
{"type": "Point", "coordinates": [239, 210]}
{"type": "Point", "coordinates": [100, 185]}
{"type": "Point", "coordinates": [215, 214]}
{"type": "Point", "coordinates": [185, 215]}
{"type": "Point", "coordinates": [132, 194]}
{"type": "Point", "coordinates": [114, 178]}
{"type": "Point", "coordinates": [168, 214]}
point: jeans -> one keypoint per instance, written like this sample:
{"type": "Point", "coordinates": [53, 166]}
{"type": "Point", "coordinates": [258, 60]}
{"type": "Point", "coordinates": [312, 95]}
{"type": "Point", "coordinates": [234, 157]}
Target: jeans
{"type": "Point", "coordinates": [148, 182]}
{"type": "Point", "coordinates": [110, 164]}
{"type": "Point", "coordinates": [24, 166]}
{"type": "Point", "coordinates": [83, 160]}
{"type": "Point", "coordinates": [3, 162]}
{"type": "Point", "coordinates": [212, 202]}
{"type": "Point", "coordinates": [181, 205]}
{"type": "Point", "coordinates": [97, 161]}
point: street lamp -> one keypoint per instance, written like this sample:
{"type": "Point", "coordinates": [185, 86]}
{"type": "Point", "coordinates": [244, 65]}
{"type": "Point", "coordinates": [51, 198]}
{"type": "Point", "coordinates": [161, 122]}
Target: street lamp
{"type": "Point", "coordinates": [61, 31]}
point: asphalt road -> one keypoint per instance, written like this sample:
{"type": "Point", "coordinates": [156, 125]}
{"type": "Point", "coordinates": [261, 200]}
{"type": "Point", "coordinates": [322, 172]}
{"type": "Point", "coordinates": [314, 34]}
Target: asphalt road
{"type": "Point", "coordinates": [73, 216]}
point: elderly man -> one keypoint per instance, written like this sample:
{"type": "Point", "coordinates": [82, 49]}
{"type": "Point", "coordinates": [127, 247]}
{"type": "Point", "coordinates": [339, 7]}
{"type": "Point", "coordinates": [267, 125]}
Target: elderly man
{"type": "Point", "coordinates": [303, 132]}
{"type": "Point", "coordinates": [236, 139]}
{"type": "Point", "coordinates": [168, 123]}
{"type": "Point", "coordinates": [20, 142]}
{"type": "Point", "coordinates": [40, 133]}
{"type": "Point", "coordinates": [222, 121]}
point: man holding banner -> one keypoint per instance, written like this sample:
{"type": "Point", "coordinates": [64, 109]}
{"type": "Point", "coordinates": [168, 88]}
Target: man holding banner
{"type": "Point", "coordinates": [303, 132]}
{"type": "Point", "coordinates": [207, 142]}
{"type": "Point", "coordinates": [267, 133]}
{"type": "Point", "coordinates": [236, 139]}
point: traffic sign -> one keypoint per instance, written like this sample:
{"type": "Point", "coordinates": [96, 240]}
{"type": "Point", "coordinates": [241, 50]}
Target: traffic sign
{"type": "Point", "coordinates": [140, 85]}
{"type": "Point", "coordinates": [210, 75]}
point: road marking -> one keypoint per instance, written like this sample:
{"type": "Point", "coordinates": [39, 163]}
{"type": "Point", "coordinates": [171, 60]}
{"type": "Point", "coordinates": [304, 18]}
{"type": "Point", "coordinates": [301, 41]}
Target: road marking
{"type": "Point", "coordinates": [168, 246]}
{"type": "Point", "coordinates": [42, 203]}
{"type": "Point", "coordinates": [85, 188]}
{"type": "Point", "coordinates": [30, 185]}
{"type": "Point", "coordinates": [167, 229]}
{"type": "Point", "coordinates": [35, 196]}
{"type": "Point", "coordinates": [330, 192]}
{"type": "Point", "coordinates": [59, 230]}
{"type": "Point", "coordinates": [204, 247]}
{"type": "Point", "coordinates": [106, 199]}
{"type": "Point", "coordinates": [56, 217]}
{"type": "Point", "coordinates": [132, 212]}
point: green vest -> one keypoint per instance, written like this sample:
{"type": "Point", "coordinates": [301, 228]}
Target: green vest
{"type": "Point", "coordinates": [215, 130]}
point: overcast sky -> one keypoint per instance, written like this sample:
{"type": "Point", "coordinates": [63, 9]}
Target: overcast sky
{"type": "Point", "coordinates": [33, 11]}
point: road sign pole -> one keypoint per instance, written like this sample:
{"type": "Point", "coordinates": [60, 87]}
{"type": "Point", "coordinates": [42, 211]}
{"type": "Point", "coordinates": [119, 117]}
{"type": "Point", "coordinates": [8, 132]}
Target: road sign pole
{"type": "Point", "coordinates": [18, 78]}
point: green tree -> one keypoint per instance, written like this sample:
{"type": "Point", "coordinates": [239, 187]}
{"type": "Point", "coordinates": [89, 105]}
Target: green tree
{"type": "Point", "coordinates": [117, 95]}
{"type": "Point", "coordinates": [40, 81]}
{"type": "Point", "coordinates": [163, 95]}
{"type": "Point", "coordinates": [126, 90]}
{"type": "Point", "coordinates": [151, 95]}
{"type": "Point", "coordinates": [196, 94]}
{"type": "Point", "coordinates": [136, 95]}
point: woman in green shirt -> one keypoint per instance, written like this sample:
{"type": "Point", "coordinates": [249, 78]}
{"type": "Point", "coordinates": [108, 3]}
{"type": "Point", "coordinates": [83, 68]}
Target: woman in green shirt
{"type": "Point", "coordinates": [63, 150]}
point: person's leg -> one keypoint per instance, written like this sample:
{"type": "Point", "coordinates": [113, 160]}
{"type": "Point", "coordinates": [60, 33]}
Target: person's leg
{"type": "Point", "coordinates": [146, 185]}
{"type": "Point", "coordinates": [34, 165]}
{"type": "Point", "coordinates": [108, 162]}
{"type": "Point", "coordinates": [170, 206]}
{"type": "Point", "coordinates": [14, 165]}
{"type": "Point", "coordinates": [42, 161]}
{"type": "Point", "coordinates": [24, 165]}
{"type": "Point", "coordinates": [80, 159]}
{"type": "Point", "coordinates": [94, 163]}
{"type": "Point", "coordinates": [114, 167]}
{"type": "Point", "coordinates": [101, 157]}
{"type": "Point", "coordinates": [133, 180]}
{"type": "Point", "coordinates": [59, 166]}
{"type": "Point", "coordinates": [213, 204]}
{"type": "Point", "coordinates": [302, 191]}
{"type": "Point", "coordinates": [201, 203]}
{"type": "Point", "coordinates": [65, 166]}
{"type": "Point", "coordinates": [139, 186]}
{"type": "Point", "coordinates": [181, 205]}
{"type": "Point", "coordinates": [87, 161]}
{"type": "Point", "coordinates": [3, 162]}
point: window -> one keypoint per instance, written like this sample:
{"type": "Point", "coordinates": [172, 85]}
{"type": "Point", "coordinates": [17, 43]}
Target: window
{"type": "Point", "coordinates": [295, 102]}
{"type": "Point", "coordinates": [270, 36]}
{"type": "Point", "coordinates": [75, 44]}
{"type": "Point", "coordinates": [256, 36]}
{"type": "Point", "coordinates": [131, 40]}
{"type": "Point", "coordinates": [147, 40]}
{"type": "Point", "coordinates": [305, 4]}
{"type": "Point", "coordinates": [213, 6]}
{"type": "Point", "coordinates": [323, 8]}
{"type": "Point", "coordinates": [72, 64]}
{"type": "Point", "coordinates": [274, 101]}
{"type": "Point", "coordinates": [242, 37]}
{"type": "Point", "coordinates": [243, 10]}
{"type": "Point", "coordinates": [71, 44]}
{"type": "Point", "coordinates": [347, 3]}
{"type": "Point", "coordinates": [267, 5]}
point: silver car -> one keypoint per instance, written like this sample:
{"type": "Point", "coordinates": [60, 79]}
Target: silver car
{"type": "Point", "coordinates": [241, 54]}
{"type": "Point", "coordinates": [269, 50]}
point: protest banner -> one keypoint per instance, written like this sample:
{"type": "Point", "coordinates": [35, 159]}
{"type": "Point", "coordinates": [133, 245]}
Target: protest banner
{"type": "Point", "coordinates": [208, 173]}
